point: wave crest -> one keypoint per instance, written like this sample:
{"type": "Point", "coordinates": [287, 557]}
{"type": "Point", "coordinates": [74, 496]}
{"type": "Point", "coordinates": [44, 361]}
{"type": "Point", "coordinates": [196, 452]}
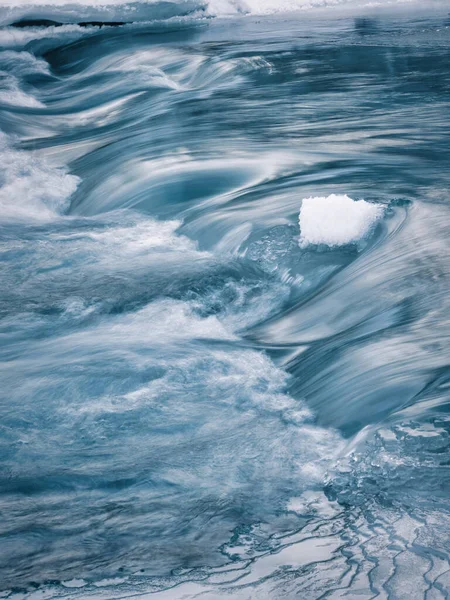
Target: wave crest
{"type": "Point", "coordinates": [119, 12]}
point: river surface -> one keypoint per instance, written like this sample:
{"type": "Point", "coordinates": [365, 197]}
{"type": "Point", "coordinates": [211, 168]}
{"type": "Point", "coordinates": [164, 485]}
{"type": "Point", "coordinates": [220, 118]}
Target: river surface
{"type": "Point", "coordinates": [225, 300]}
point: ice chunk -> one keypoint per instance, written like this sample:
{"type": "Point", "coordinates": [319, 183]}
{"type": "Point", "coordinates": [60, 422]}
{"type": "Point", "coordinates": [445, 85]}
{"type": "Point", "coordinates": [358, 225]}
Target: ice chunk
{"type": "Point", "coordinates": [336, 220]}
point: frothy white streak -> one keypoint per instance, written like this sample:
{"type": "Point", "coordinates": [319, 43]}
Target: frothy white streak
{"type": "Point", "coordinates": [32, 189]}
{"type": "Point", "coordinates": [147, 10]}
{"type": "Point", "coordinates": [10, 93]}
{"type": "Point", "coordinates": [11, 37]}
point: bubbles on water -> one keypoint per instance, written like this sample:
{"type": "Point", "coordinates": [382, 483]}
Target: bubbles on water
{"type": "Point", "coordinates": [18, 38]}
{"type": "Point", "coordinates": [32, 188]}
{"type": "Point", "coordinates": [148, 424]}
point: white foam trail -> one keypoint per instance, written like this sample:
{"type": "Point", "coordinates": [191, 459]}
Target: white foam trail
{"type": "Point", "coordinates": [336, 220]}
{"type": "Point", "coordinates": [147, 10]}
{"type": "Point", "coordinates": [10, 93]}
{"type": "Point", "coordinates": [122, 245]}
{"type": "Point", "coordinates": [22, 63]}
{"type": "Point", "coordinates": [32, 188]}
{"type": "Point", "coordinates": [265, 7]}
{"type": "Point", "coordinates": [270, 7]}
{"type": "Point", "coordinates": [15, 65]}
{"type": "Point", "coordinates": [63, 11]}
{"type": "Point", "coordinates": [10, 37]}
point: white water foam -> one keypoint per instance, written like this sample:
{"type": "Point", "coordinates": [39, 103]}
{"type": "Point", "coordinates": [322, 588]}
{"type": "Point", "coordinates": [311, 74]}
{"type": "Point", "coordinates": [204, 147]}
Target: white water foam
{"type": "Point", "coordinates": [265, 7]}
{"type": "Point", "coordinates": [11, 37]}
{"type": "Point", "coordinates": [13, 66]}
{"type": "Point", "coordinates": [336, 220]}
{"type": "Point", "coordinates": [22, 63]}
{"type": "Point", "coordinates": [32, 189]}
{"type": "Point", "coordinates": [10, 92]}
{"type": "Point", "coordinates": [64, 11]}
{"type": "Point", "coordinates": [146, 10]}
{"type": "Point", "coordinates": [270, 7]}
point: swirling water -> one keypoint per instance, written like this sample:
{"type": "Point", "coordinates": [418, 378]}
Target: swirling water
{"type": "Point", "coordinates": [224, 300]}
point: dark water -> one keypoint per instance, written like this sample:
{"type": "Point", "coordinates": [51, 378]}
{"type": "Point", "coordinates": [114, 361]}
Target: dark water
{"type": "Point", "coordinates": [200, 398]}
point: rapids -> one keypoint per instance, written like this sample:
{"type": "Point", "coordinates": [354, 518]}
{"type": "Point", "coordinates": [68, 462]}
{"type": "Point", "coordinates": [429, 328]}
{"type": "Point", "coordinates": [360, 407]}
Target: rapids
{"type": "Point", "coordinates": [224, 300]}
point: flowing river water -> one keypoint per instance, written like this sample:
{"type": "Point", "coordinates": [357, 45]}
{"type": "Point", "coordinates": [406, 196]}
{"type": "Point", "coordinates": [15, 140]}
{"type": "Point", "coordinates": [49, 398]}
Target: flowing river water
{"type": "Point", "coordinates": [224, 300]}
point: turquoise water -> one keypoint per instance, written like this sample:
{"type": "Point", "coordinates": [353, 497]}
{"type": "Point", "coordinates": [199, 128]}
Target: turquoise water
{"type": "Point", "coordinates": [224, 301]}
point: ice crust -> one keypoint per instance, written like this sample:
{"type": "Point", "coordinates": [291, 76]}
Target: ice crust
{"type": "Point", "coordinates": [336, 220]}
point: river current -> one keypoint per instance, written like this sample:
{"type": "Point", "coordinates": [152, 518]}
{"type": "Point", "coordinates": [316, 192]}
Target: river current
{"type": "Point", "coordinates": [224, 300]}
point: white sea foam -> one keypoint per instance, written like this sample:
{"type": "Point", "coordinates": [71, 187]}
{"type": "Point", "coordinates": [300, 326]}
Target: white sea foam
{"type": "Point", "coordinates": [31, 187]}
{"type": "Point", "coordinates": [120, 245]}
{"type": "Point", "coordinates": [270, 7]}
{"type": "Point", "coordinates": [10, 92]}
{"type": "Point", "coordinates": [336, 220]}
{"type": "Point", "coordinates": [72, 12]}
{"type": "Point", "coordinates": [15, 65]}
{"type": "Point", "coordinates": [22, 63]}
{"type": "Point", "coordinates": [265, 7]}
{"type": "Point", "coordinates": [67, 11]}
{"type": "Point", "coordinates": [10, 37]}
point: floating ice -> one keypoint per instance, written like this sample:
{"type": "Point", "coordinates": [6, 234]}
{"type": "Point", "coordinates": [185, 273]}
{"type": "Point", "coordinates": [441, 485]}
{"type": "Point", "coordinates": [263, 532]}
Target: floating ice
{"type": "Point", "coordinates": [336, 220]}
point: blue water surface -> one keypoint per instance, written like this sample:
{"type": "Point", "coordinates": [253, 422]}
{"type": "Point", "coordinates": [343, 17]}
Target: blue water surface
{"type": "Point", "coordinates": [194, 402]}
